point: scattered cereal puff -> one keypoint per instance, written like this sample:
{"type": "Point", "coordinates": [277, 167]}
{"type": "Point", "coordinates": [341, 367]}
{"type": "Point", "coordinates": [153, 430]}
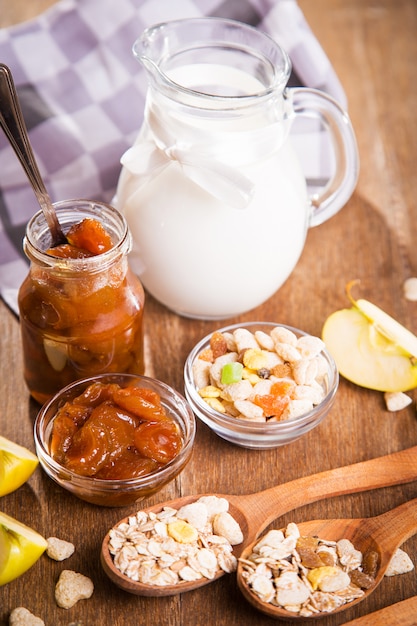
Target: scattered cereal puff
{"type": "Point", "coordinates": [410, 289]}
{"type": "Point", "coordinates": [22, 617]}
{"type": "Point", "coordinates": [399, 564]}
{"type": "Point", "coordinates": [72, 587]}
{"type": "Point", "coordinates": [58, 549]}
{"type": "Point", "coordinates": [396, 400]}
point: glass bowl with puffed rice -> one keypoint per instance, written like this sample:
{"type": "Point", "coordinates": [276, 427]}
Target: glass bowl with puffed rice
{"type": "Point", "coordinates": [260, 385]}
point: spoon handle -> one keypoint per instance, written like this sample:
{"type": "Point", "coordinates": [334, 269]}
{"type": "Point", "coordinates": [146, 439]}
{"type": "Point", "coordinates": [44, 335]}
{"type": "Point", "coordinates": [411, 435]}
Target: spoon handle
{"type": "Point", "coordinates": [264, 507]}
{"type": "Point", "coordinates": [394, 527]}
{"type": "Point", "coordinates": [13, 125]}
{"type": "Point", "coordinates": [401, 614]}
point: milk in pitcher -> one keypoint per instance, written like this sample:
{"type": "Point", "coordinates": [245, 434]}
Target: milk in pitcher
{"type": "Point", "coordinates": [203, 247]}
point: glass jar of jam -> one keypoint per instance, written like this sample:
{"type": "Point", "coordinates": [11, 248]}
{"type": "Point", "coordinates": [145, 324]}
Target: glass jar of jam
{"type": "Point", "coordinates": [80, 315]}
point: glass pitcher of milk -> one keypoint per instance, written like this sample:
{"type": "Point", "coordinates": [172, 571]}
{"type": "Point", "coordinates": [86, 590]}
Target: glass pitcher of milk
{"type": "Point", "coordinates": [212, 189]}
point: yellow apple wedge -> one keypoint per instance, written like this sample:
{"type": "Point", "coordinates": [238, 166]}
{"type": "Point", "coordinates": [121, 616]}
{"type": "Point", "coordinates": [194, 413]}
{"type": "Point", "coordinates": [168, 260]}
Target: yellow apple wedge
{"type": "Point", "coordinates": [17, 464]}
{"type": "Point", "coordinates": [4, 548]}
{"type": "Point", "coordinates": [22, 548]}
{"type": "Point", "coordinates": [378, 355]}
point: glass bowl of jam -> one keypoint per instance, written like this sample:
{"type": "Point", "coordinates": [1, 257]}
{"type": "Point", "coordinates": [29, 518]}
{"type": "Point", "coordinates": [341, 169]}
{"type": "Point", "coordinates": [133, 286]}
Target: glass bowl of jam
{"type": "Point", "coordinates": [114, 439]}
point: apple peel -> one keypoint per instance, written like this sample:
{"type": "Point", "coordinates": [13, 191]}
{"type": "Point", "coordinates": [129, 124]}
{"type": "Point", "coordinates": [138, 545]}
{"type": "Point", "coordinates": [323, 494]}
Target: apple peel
{"type": "Point", "coordinates": [389, 327]}
{"type": "Point", "coordinates": [370, 348]}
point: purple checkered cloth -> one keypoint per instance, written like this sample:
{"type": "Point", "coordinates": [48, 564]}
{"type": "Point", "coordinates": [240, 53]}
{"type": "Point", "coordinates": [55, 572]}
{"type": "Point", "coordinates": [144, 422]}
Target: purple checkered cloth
{"type": "Point", "coordinates": [82, 95]}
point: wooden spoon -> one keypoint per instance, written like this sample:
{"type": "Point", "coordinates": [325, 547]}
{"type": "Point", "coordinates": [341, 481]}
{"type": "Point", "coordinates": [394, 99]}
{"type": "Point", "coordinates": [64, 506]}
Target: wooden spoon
{"type": "Point", "coordinates": [383, 534]}
{"type": "Point", "coordinates": [254, 512]}
{"type": "Point", "coordinates": [402, 613]}
{"type": "Point", "coordinates": [13, 125]}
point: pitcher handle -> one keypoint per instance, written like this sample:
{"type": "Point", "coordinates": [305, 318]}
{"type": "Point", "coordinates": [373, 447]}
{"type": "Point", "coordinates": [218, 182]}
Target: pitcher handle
{"type": "Point", "coordinates": [316, 104]}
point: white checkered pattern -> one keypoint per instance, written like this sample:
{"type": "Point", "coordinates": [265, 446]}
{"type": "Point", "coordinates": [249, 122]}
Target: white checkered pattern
{"type": "Point", "coordinates": [82, 95]}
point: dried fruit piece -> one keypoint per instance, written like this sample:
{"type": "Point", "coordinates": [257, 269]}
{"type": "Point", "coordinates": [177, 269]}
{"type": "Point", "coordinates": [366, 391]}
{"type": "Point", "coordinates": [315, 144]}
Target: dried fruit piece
{"type": "Point", "coordinates": [370, 563]}
{"type": "Point", "coordinates": [160, 441]}
{"type": "Point", "coordinates": [309, 558]}
{"type": "Point", "coordinates": [218, 345]}
{"type": "Point", "coordinates": [360, 579]}
{"type": "Point", "coordinates": [255, 359]}
{"type": "Point", "coordinates": [231, 373]}
{"type": "Point", "coordinates": [272, 405]}
{"type": "Point", "coordinates": [182, 532]}
{"type": "Point", "coordinates": [89, 235]}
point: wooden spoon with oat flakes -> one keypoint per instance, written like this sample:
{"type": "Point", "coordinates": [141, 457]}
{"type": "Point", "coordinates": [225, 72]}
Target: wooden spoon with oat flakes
{"type": "Point", "coordinates": [382, 534]}
{"type": "Point", "coordinates": [254, 512]}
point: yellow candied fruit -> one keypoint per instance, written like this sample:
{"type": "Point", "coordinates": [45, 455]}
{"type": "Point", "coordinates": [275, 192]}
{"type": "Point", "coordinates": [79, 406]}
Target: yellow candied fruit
{"type": "Point", "coordinates": [182, 532]}
{"type": "Point", "coordinates": [206, 355]}
{"type": "Point", "coordinates": [215, 404]}
{"type": "Point", "coordinates": [251, 376]}
{"type": "Point", "coordinates": [255, 359]}
{"type": "Point", "coordinates": [209, 392]}
{"type": "Point", "coordinates": [318, 574]}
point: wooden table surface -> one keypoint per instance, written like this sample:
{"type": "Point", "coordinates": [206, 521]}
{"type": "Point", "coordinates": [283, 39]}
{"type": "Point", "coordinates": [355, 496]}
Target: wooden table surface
{"type": "Point", "coordinates": [373, 47]}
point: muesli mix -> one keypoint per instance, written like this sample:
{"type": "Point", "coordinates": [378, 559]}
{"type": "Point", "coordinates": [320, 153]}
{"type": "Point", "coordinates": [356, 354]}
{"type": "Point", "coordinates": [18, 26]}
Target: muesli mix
{"type": "Point", "coordinates": [307, 575]}
{"type": "Point", "coordinates": [174, 546]}
{"type": "Point", "coordinates": [261, 376]}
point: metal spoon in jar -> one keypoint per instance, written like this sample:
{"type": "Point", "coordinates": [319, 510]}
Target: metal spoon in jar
{"type": "Point", "coordinates": [254, 512]}
{"type": "Point", "coordinates": [13, 125]}
{"type": "Point", "coordinates": [382, 534]}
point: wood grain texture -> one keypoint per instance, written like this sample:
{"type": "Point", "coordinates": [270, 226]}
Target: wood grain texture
{"type": "Point", "coordinates": [373, 46]}
{"type": "Point", "coordinates": [401, 614]}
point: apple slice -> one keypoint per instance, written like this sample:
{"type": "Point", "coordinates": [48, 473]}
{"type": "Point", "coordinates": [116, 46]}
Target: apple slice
{"type": "Point", "coordinates": [368, 357]}
{"type": "Point", "coordinates": [17, 464]}
{"type": "Point", "coordinates": [365, 356]}
{"type": "Point", "coordinates": [22, 548]}
{"type": "Point", "coordinates": [389, 327]}
{"type": "Point", "coordinates": [4, 548]}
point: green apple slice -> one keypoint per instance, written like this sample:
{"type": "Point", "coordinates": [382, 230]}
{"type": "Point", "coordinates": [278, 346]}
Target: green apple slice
{"type": "Point", "coordinates": [17, 464]}
{"type": "Point", "coordinates": [365, 355]}
{"type": "Point", "coordinates": [22, 545]}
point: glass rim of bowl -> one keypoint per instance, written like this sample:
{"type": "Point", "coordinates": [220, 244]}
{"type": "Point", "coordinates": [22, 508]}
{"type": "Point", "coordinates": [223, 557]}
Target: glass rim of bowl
{"type": "Point", "coordinates": [41, 436]}
{"type": "Point", "coordinates": [248, 426]}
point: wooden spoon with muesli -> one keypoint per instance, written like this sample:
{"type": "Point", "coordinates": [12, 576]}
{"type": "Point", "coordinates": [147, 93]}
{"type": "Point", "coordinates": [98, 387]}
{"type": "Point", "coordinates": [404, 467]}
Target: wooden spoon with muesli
{"type": "Point", "coordinates": [188, 542]}
{"type": "Point", "coordinates": [313, 568]}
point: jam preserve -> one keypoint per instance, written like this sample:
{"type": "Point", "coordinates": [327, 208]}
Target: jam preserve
{"type": "Point", "coordinates": [80, 313]}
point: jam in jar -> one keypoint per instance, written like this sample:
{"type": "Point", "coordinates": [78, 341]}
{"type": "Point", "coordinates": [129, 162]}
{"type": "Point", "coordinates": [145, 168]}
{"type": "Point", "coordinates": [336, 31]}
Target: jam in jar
{"type": "Point", "coordinates": [81, 306]}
